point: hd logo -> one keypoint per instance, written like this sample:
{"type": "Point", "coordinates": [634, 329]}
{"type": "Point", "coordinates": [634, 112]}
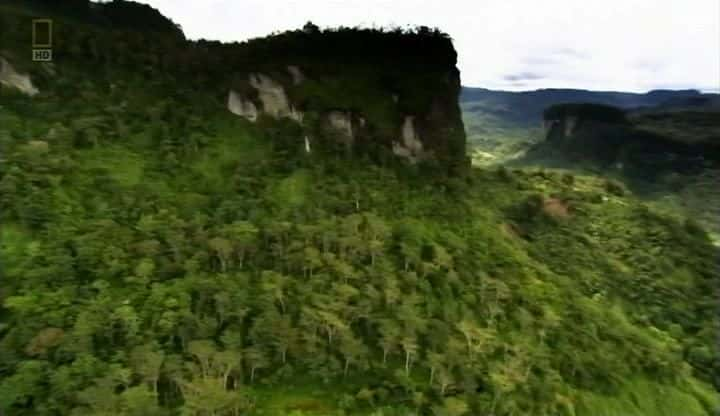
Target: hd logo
{"type": "Point", "coordinates": [42, 39]}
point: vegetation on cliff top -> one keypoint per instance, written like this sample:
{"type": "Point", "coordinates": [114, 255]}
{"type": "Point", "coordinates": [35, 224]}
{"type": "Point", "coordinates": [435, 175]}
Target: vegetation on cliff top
{"type": "Point", "coordinates": [585, 111]}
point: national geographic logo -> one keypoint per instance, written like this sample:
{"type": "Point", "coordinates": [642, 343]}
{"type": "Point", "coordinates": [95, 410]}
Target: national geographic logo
{"type": "Point", "coordinates": [42, 39]}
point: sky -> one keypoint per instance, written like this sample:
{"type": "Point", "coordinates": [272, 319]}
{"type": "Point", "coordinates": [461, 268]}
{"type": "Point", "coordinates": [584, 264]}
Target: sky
{"type": "Point", "coordinates": [621, 45]}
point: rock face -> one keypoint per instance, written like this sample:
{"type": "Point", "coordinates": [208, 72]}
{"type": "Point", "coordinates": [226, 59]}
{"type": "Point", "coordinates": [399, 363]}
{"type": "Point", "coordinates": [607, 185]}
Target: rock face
{"type": "Point", "coordinates": [241, 106]}
{"type": "Point", "coordinates": [296, 74]}
{"type": "Point", "coordinates": [586, 131]}
{"type": "Point", "coordinates": [272, 95]}
{"type": "Point", "coordinates": [409, 146]}
{"type": "Point", "coordinates": [342, 123]}
{"type": "Point", "coordinates": [272, 100]}
{"type": "Point", "coordinates": [9, 77]}
{"type": "Point", "coordinates": [379, 94]}
{"type": "Point", "coordinates": [566, 123]}
{"type": "Point", "coordinates": [570, 124]}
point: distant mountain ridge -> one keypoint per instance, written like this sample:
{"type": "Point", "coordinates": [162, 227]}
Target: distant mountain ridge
{"type": "Point", "coordinates": [526, 107]}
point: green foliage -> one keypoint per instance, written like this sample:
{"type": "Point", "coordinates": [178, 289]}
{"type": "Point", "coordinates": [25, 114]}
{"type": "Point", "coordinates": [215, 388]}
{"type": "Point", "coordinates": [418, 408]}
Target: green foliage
{"type": "Point", "coordinates": [615, 188]}
{"type": "Point", "coordinates": [642, 397]}
{"type": "Point", "coordinates": [162, 258]}
{"type": "Point", "coordinates": [568, 179]}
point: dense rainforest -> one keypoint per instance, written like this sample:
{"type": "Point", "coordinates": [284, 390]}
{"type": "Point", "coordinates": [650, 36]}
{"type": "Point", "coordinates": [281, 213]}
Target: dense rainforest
{"type": "Point", "coordinates": [163, 256]}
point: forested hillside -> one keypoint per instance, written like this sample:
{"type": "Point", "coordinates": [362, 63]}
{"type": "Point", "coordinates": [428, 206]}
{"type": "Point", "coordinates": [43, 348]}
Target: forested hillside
{"type": "Point", "coordinates": [164, 256]}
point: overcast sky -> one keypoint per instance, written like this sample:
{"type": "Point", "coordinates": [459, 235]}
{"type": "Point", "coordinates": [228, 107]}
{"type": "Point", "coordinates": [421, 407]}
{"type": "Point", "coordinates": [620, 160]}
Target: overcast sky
{"type": "Point", "coordinates": [629, 45]}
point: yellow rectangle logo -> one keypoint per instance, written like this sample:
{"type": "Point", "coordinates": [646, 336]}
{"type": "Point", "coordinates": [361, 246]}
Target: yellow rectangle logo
{"type": "Point", "coordinates": [42, 33]}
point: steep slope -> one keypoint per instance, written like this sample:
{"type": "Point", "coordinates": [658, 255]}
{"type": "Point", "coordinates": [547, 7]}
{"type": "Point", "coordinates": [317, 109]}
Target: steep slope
{"type": "Point", "coordinates": [359, 83]}
{"type": "Point", "coordinates": [165, 255]}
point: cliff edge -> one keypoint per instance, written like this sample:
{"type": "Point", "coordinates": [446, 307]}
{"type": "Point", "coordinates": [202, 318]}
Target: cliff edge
{"type": "Point", "coordinates": [381, 94]}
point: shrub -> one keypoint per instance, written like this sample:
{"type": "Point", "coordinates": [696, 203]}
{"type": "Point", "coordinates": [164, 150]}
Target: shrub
{"type": "Point", "coordinates": [693, 227]}
{"type": "Point", "coordinates": [568, 179]}
{"type": "Point", "coordinates": [614, 187]}
{"type": "Point", "coordinates": [504, 174]}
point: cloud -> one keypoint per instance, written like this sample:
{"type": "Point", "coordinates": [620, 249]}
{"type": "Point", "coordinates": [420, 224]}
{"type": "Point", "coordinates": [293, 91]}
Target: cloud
{"type": "Point", "coordinates": [523, 76]}
{"type": "Point", "coordinates": [539, 60]}
{"type": "Point", "coordinates": [570, 52]}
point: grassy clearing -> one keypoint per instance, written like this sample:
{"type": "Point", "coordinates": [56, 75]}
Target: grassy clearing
{"type": "Point", "coordinates": [307, 397]}
{"type": "Point", "coordinates": [296, 399]}
{"type": "Point", "coordinates": [643, 397]}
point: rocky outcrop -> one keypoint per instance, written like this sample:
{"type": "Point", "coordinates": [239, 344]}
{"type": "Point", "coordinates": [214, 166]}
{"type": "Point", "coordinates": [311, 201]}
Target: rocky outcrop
{"type": "Point", "coordinates": [410, 146]}
{"type": "Point", "coordinates": [241, 106]}
{"type": "Point", "coordinates": [646, 142]}
{"type": "Point", "coordinates": [272, 95]}
{"type": "Point", "coordinates": [586, 131]}
{"type": "Point", "coordinates": [341, 122]}
{"type": "Point", "coordinates": [570, 124]}
{"type": "Point", "coordinates": [296, 115]}
{"type": "Point", "coordinates": [380, 94]}
{"type": "Point", "coordinates": [297, 76]}
{"type": "Point", "coordinates": [272, 100]}
{"type": "Point", "coordinates": [563, 121]}
{"type": "Point", "coordinates": [9, 77]}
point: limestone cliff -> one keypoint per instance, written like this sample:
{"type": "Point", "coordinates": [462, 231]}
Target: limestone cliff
{"type": "Point", "coordinates": [373, 92]}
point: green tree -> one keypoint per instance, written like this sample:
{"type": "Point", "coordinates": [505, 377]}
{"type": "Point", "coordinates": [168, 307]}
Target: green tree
{"type": "Point", "coordinates": [146, 361]}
